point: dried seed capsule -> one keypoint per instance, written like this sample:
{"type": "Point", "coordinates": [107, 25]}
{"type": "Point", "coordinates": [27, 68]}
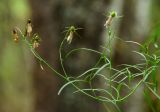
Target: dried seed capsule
{"type": "Point", "coordinates": [28, 28]}
{"type": "Point", "coordinates": [15, 35]}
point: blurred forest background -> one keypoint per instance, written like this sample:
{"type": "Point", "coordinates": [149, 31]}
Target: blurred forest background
{"type": "Point", "coordinates": [24, 87]}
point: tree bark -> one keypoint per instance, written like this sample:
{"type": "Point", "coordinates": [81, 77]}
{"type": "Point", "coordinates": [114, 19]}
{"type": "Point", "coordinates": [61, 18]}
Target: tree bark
{"type": "Point", "coordinates": [49, 19]}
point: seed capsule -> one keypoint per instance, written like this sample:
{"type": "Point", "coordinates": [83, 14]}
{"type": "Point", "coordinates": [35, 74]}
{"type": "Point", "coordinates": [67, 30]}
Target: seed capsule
{"type": "Point", "coordinates": [28, 28]}
{"type": "Point", "coordinates": [15, 36]}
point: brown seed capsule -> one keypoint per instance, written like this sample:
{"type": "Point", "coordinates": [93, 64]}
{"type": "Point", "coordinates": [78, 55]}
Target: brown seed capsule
{"type": "Point", "coordinates": [28, 28]}
{"type": "Point", "coordinates": [15, 35]}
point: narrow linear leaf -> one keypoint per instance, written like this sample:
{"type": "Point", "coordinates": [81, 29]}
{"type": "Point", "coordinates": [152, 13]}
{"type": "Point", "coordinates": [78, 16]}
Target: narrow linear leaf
{"type": "Point", "coordinates": [70, 82]}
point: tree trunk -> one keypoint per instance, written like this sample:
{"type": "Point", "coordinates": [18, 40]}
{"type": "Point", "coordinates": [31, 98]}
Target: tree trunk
{"type": "Point", "coordinates": [50, 17]}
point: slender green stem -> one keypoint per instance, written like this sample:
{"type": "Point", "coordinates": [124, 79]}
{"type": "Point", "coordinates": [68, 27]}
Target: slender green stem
{"type": "Point", "coordinates": [61, 59]}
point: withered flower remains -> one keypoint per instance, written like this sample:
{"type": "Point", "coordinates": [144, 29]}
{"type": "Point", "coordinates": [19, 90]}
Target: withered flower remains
{"type": "Point", "coordinates": [36, 41]}
{"type": "Point", "coordinates": [71, 30]}
{"type": "Point", "coordinates": [70, 37]}
{"type": "Point", "coordinates": [110, 19]}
